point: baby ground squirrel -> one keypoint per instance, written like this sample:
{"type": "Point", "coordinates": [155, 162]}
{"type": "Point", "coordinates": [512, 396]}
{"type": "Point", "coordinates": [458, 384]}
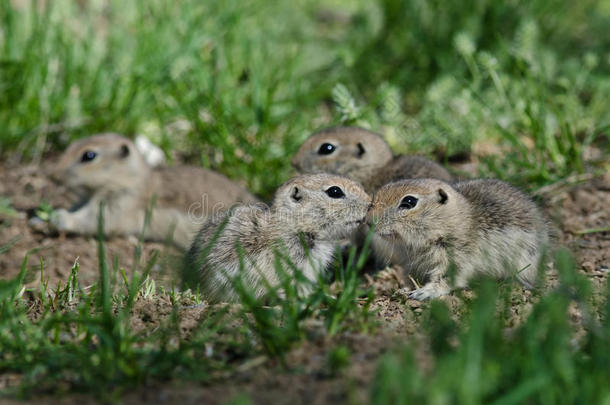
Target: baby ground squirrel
{"type": "Point", "coordinates": [363, 156]}
{"type": "Point", "coordinates": [309, 214]}
{"type": "Point", "coordinates": [479, 226]}
{"type": "Point", "coordinates": [108, 168]}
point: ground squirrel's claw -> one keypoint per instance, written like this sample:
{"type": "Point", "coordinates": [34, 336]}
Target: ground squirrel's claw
{"type": "Point", "coordinates": [418, 295]}
{"type": "Point", "coordinates": [429, 291]}
{"type": "Point", "coordinates": [58, 221]}
{"type": "Point", "coordinates": [35, 222]}
{"type": "Point", "coordinates": [38, 224]}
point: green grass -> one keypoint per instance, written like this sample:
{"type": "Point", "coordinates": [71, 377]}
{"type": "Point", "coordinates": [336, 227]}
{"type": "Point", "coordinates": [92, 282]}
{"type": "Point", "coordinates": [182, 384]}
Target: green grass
{"type": "Point", "coordinates": [75, 339]}
{"type": "Point", "coordinates": [482, 361]}
{"type": "Point", "coordinates": [6, 209]}
{"type": "Point", "coordinates": [280, 319]}
{"type": "Point", "coordinates": [237, 86]}
{"type": "Point", "coordinates": [71, 339]}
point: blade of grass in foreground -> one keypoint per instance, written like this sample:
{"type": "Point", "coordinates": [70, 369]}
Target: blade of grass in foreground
{"type": "Point", "coordinates": [103, 267]}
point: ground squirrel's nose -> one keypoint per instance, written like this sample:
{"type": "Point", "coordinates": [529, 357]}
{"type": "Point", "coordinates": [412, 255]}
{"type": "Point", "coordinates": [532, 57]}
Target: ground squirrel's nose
{"type": "Point", "coordinates": [373, 214]}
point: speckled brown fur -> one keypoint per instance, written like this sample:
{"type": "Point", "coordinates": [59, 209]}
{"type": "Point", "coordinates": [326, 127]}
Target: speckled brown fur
{"type": "Point", "coordinates": [119, 177]}
{"type": "Point", "coordinates": [303, 224]}
{"type": "Point", "coordinates": [364, 156]}
{"type": "Point", "coordinates": [480, 226]}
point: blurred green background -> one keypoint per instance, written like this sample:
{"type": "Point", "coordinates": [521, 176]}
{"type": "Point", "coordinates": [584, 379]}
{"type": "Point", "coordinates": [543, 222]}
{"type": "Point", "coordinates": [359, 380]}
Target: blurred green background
{"type": "Point", "coordinates": [237, 85]}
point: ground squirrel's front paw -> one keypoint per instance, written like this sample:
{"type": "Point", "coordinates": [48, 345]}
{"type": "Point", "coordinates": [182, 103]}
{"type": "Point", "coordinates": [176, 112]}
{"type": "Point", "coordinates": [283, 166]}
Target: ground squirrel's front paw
{"type": "Point", "coordinates": [61, 220]}
{"type": "Point", "coordinates": [39, 225]}
{"type": "Point", "coordinates": [429, 291]}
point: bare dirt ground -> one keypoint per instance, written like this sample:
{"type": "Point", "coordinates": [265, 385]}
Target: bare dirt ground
{"type": "Point", "coordinates": [576, 210]}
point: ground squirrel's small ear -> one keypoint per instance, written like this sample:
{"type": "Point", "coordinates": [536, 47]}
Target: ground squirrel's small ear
{"type": "Point", "coordinates": [124, 152]}
{"type": "Point", "coordinates": [360, 149]}
{"type": "Point", "coordinates": [442, 196]}
{"type": "Point", "coordinates": [296, 195]}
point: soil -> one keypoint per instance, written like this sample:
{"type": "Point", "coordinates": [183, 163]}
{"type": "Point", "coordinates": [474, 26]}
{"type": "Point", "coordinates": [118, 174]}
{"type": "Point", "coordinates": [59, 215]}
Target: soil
{"type": "Point", "coordinates": [576, 210]}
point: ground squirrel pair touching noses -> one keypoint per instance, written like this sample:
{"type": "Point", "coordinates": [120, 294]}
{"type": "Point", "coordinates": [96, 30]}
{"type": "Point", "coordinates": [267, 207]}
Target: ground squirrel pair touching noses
{"type": "Point", "coordinates": [109, 168]}
{"type": "Point", "coordinates": [424, 225]}
{"type": "Point", "coordinates": [427, 225]}
{"type": "Point", "coordinates": [483, 227]}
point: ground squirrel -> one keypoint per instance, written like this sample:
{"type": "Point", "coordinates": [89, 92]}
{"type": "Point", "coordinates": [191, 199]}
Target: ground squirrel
{"type": "Point", "coordinates": [309, 214]}
{"type": "Point", "coordinates": [480, 226]}
{"type": "Point", "coordinates": [108, 168]}
{"type": "Point", "coordinates": [363, 156]}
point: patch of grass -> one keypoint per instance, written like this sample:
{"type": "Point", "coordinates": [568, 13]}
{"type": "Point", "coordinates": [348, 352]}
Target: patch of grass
{"type": "Point", "coordinates": [215, 83]}
{"type": "Point", "coordinates": [338, 359]}
{"type": "Point", "coordinates": [72, 338]}
{"type": "Point", "coordinates": [237, 86]}
{"type": "Point", "coordinates": [44, 211]}
{"type": "Point", "coordinates": [520, 98]}
{"type": "Point", "coordinates": [68, 338]}
{"type": "Point", "coordinates": [482, 361]}
{"type": "Point", "coordinates": [6, 208]}
{"type": "Point", "coordinates": [298, 308]}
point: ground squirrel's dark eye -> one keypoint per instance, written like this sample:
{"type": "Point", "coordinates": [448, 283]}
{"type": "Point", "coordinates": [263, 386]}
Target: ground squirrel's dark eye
{"type": "Point", "coordinates": [326, 149]}
{"type": "Point", "coordinates": [360, 149]}
{"type": "Point", "coordinates": [124, 151]}
{"type": "Point", "coordinates": [408, 202]}
{"type": "Point", "coordinates": [88, 156]}
{"type": "Point", "coordinates": [335, 192]}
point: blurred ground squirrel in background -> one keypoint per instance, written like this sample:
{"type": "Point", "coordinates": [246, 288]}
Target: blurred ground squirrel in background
{"type": "Point", "coordinates": [363, 156]}
{"type": "Point", "coordinates": [109, 168]}
{"type": "Point", "coordinates": [309, 214]}
{"type": "Point", "coordinates": [482, 227]}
